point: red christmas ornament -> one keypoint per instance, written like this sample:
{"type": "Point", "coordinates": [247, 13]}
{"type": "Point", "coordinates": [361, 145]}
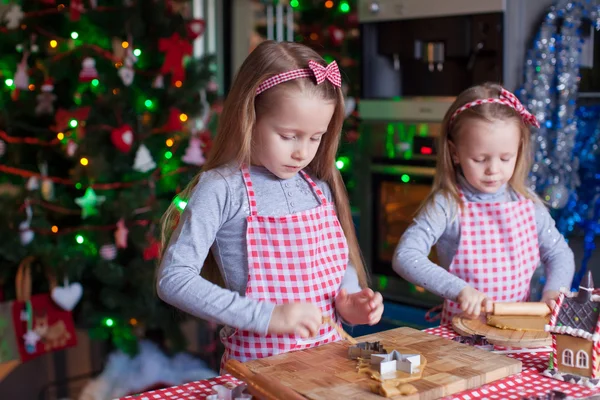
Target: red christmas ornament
{"type": "Point", "coordinates": [122, 138]}
{"type": "Point", "coordinates": [152, 251]}
{"type": "Point", "coordinates": [63, 119]}
{"type": "Point", "coordinates": [75, 9]}
{"type": "Point", "coordinates": [88, 70]}
{"type": "Point", "coordinates": [336, 35]}
{"type": "Point", "coordinates": [206, 139]}
{"type": "Point", "coordinates": [195, 28]}
{"type": "Point", "coordinates": [175, 48]}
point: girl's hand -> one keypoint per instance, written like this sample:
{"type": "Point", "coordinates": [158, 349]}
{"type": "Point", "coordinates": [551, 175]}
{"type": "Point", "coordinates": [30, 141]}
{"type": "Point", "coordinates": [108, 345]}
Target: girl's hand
{"type": "Point", "coordinates": [473, 302]}
{"type": "Point", "coordinates": [302, 319]}
{"type": "Point", "coordinates": [364, 307]}
{"type": "Point", "coordinates": [549, 297]}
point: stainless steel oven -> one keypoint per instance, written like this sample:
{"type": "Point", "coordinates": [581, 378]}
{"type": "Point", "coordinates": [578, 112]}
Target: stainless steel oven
{"type": "Point", "coordinates": [399, 173]}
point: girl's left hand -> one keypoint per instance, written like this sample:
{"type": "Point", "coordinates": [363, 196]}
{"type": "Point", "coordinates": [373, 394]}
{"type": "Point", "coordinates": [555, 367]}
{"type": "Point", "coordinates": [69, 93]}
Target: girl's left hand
{"type": "Point", "coordinates": [549, 297]}
{"type": "Point", "coordinates": [364, 307]}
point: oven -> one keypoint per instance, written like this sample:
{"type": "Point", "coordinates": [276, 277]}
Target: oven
{"type": "Point", "coordinates": [399, 174]}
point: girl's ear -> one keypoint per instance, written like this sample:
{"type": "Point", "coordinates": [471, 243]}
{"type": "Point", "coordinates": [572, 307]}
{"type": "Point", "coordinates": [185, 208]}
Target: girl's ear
{"type": "Point", "coordinates": [453, 152]}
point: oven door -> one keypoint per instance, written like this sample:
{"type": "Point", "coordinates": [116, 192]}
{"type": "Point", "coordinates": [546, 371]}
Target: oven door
{"type": "Point", "coordinates": [398, 191]}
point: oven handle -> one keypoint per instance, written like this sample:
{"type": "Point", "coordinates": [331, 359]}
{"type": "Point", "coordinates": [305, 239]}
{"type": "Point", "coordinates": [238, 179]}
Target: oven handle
{"type": "Point", "coordinates": [403, 169]}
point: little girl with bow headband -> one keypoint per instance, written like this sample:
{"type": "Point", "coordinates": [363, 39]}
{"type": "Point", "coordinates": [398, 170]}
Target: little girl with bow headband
{"type": "Point", "coordinates": [270, 216]}
{"type": "Point", "coordinates": [491, 232]}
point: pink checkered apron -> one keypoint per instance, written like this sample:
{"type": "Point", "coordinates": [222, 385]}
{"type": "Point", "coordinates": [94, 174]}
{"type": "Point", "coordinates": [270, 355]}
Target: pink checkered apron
{"type": "Point", "coordinates": [299, 257]}
{"type": "Point", "coordinates": [498, 251]}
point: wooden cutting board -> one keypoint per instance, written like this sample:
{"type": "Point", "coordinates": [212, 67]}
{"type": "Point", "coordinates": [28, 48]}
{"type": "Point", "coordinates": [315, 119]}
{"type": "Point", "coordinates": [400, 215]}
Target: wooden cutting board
{"type": "Point", "coordinates": [500, 337]}
{"type": "Point", "coordinates": [326, 372]}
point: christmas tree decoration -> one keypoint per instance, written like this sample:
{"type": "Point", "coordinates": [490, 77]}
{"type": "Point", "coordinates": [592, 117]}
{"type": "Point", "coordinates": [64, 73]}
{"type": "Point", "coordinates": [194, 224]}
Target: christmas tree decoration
{"type": "Point", "coordinates": [143, 160]}
{"type": "Point", "coordinates": [108, 252]}
{"type": "Point", "coordinates": [14, 16]}
{"type": "Point", "coordinates": [88, 70]}
{"type": "Point", "coordinates": [26, 235]}
{"type": "Point", "coordinates": [122, 138]}
{"type": "Point", "coordinates": [76, 8]}
{"type": "Point", "coordinates": [33, 183]}
{"type": "Point", "coordinates": [47, 184]}
{"type": "Point", "coordinates": [126, 72]}
{"type": "Point", "coordinates": [175, 48]}
{"type": "Point", "coordinates": [565, 145]}
{"type": "Point", "coordinates": [336, 35]}
{"type": "Point", "coordinates": [153, 250]}
{"type": "Point", "coordinates": [195, 28]}
{"type": "Point", "coordinates": [46, 99]}
{"type": "Point", "coordinates": [88, 203]}
{"type": "Point", "coordinates": [67, 296]}
{"type": "Point", "coordinates": [193, 154]}
{"type": "Point", "coordinates": [550, 93]}
{"type": "Point", "coordinates": [119, 52]}
{"type": "Point", "coordinates": [67, 120]}
{"type": "Point", "coordinates": [121, 234]}
{"type": "Point", "coordinates": [71, 148]}
{"type": "Point", "coordinates": [159, 82]}
{"type": "Point", "coordinates": [2, 147]}
{"type": "Point", "coordinates": [21, 80]}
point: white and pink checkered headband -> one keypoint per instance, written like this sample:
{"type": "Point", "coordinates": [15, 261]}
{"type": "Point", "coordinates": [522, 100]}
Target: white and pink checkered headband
{"type": "Point", "coordinates": [330, 72]}
{"type": "Point", "coordinates": [506, 98]}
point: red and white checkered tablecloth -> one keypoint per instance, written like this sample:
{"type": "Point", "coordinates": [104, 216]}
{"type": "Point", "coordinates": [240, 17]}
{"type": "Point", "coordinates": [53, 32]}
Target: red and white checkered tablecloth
{"type": "Point", "coordinates": [528, 383]}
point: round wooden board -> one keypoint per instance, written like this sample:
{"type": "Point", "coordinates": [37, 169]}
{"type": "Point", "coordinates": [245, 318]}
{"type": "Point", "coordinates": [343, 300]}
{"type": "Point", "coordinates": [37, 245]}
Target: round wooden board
{"type": "Point", "coordinates": [500, 337]}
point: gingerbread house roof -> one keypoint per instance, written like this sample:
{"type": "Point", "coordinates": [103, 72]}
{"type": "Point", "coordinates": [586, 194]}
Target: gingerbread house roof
{"type": "Point", "coordinates": [577, 314]}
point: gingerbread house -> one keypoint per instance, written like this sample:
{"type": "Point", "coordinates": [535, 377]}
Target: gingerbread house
{"type": "Point", "coordinates": [575, 329]}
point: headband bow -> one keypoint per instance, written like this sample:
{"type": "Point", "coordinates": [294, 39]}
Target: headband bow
{"type": "Point", "coordinates": [331, 73]}
{"type": "Point", "coordinates": [518, 106]}
{"type": "Point", "coordinates": [506, 98]}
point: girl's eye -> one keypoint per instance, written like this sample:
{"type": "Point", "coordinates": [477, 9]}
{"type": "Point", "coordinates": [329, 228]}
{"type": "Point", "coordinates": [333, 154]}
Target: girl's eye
{"type": "Point", "coordinates": [478, 160]}
{"type": "Point", "coordinates": [505, 159]}
{"type": "Point", "coordinates": [284, 137]}
{"type": "Point", "coordinates": [316, 138]}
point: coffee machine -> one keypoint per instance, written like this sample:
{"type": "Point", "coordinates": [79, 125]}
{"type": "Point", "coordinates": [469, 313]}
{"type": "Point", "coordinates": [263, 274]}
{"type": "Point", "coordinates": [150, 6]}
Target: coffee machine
{"type": "Point", "coordinates": [417, 55]}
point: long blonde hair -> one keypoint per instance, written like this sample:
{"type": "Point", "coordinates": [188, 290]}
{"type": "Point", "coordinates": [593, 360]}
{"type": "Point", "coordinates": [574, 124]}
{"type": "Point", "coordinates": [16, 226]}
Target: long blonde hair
{"type": "Point", "coordinates": [233, 142]}
{"type": "Point", "coordinates": [445, 181]}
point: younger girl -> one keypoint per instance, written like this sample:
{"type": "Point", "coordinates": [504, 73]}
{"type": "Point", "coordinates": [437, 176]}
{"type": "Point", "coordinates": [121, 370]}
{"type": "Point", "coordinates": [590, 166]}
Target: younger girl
{"type": "Point", "coordinates": [266, 208]}
{"type": "Point", "coordinates": [490, 231]}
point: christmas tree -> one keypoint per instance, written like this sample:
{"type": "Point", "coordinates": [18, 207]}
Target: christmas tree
{"type": "Point", "coordinates": [99, 103]}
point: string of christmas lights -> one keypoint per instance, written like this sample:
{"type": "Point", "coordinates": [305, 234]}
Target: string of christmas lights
{"type": "Point", "coordinates": [97, 186]}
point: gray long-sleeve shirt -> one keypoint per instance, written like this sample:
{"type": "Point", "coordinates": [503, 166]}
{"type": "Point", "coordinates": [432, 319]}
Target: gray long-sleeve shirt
{"type": "Point", "coordinates": [439, 225]}
{"type": "Point", "coordinates": [215, 219]}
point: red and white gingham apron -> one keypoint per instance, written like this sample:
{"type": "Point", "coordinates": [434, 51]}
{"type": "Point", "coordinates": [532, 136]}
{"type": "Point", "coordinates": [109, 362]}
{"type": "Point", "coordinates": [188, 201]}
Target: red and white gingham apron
{"type": "Point", "coordinates": [498, 251]}
{"type": "Point", "coordinates": [300, 257]}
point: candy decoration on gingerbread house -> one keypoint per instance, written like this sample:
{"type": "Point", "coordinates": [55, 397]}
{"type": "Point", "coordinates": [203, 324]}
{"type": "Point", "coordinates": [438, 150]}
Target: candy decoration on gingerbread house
{"type": "Point", "coordinates": [575, 329]}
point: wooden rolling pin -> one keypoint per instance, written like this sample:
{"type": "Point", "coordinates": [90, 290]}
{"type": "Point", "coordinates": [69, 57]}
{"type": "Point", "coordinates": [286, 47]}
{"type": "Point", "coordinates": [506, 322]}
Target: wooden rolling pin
{"type": "Point", "coordinates": [259, 385]}
{"type": "Point", "coordinates": [521, 309]}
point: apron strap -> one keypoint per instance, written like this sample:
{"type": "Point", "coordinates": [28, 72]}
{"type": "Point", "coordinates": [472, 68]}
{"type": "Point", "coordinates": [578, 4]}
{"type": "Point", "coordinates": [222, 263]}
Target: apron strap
{"type": "Point", "coordinates": [315, 188]}
{"type": "Point", "coordinates": [249, 190]}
